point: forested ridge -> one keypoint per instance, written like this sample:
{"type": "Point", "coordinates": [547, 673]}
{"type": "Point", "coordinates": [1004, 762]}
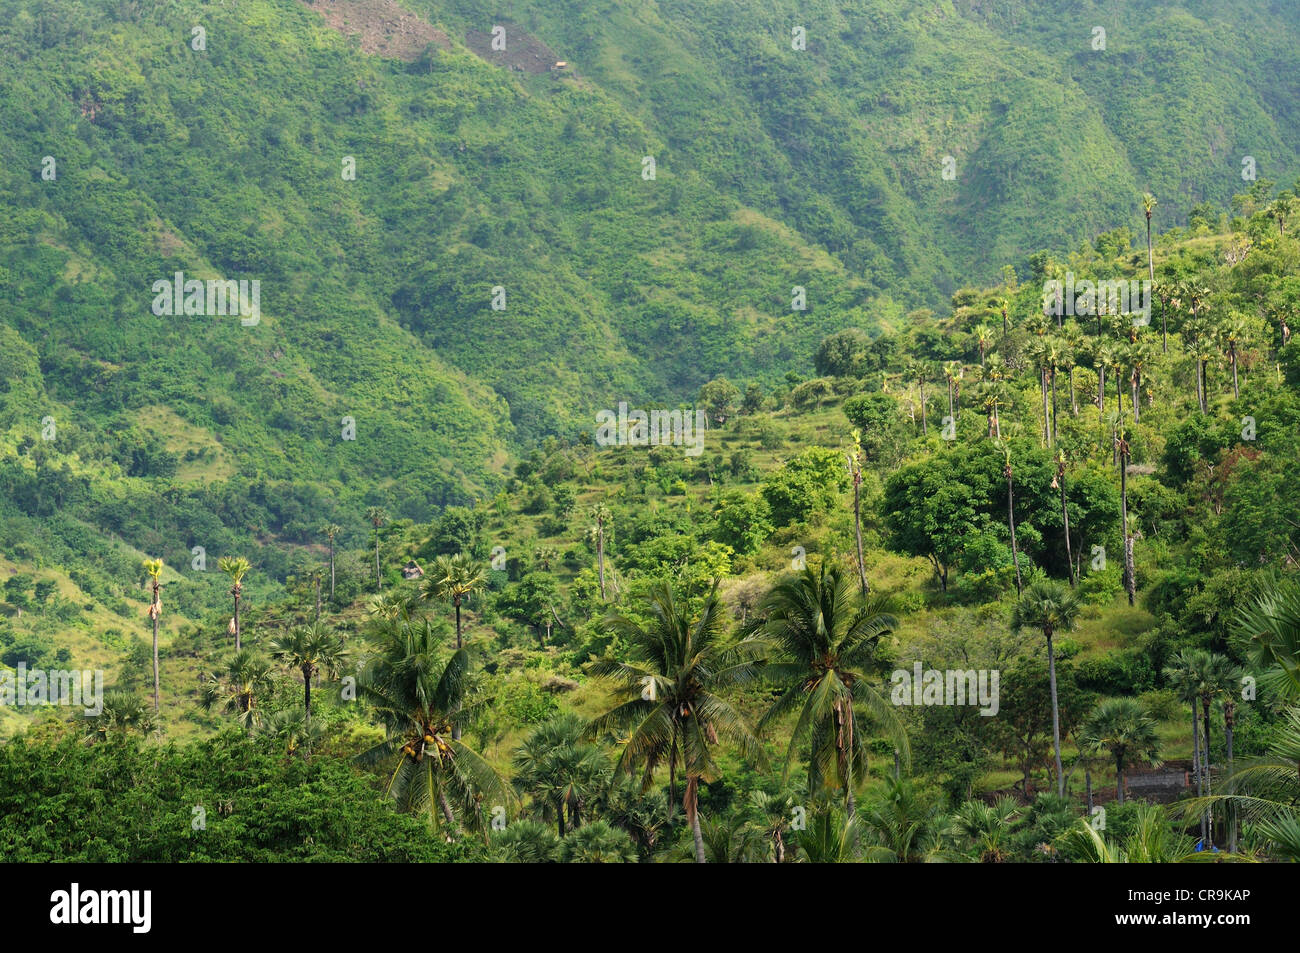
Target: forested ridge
{"type": "Point", "coordinates": [403, 600]}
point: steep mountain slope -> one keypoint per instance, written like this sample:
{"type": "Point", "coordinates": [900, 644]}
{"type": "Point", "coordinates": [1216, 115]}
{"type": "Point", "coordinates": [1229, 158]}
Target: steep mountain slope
{"type": "Point", "coordinates": [219, 141]}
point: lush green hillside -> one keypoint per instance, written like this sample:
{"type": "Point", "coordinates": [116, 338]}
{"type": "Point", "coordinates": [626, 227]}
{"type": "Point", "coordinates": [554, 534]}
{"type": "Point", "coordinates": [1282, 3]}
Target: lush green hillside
{"type": "Point", "coordinates": [438, 334]}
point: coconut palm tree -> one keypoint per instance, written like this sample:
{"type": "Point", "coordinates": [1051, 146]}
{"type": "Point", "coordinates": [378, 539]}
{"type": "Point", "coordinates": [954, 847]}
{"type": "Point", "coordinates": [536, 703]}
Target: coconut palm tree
{"type": "Point", "coordinates": [236, 567]}
{"type": "Point", "coordinates": [377, 516]}
{"type": "Point", "coordinates": [831, 838]}
{"type": "Point", "coordinates": [903, 825]}
{"type": "Point", "coordinates": [453, 580]}
{"type": "Point", "coordinates": [154, 568]}
{"type": "Point", "coordinates": [823, 640]}
{"type": "Point", "coordinates": [418, 695]}
{"type": "Point", "coordinates": [1050, 608]}
{"type": "Point", "coordinates": [237, 687]}
{"type": "Point", "coordinates": [668, 702]}
{"type": "Point", "coordinates": [331, 531]}
{"type": "Point", "coordinates": [312, 650]}
{"type": "Point", "coordinates": [1122, 727]}
{"type": "Point", "coordinates": [561, 770]}
{"type": "Point", "coordinates": [1268, 622]}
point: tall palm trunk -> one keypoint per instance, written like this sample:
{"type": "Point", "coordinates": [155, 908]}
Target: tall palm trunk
{"type": "Point", "coordinates": [237, 589]}
{"type": "Point", "coordinates": [331, 570]}
{"type": "Point", "coordinates": [692, 805]}
{"type": "Point", "coordinates": [600, 555]}
{"type": "Point", "coordinates": [306, 693]}
{"type": "Point", "coordinates": [925, 430]}
{"type": "Point", "coordinates": [1232, 355]}
{"type": "Point", "coordinates": [1208, 820]}
{"type": "Point", "coordinates": [1119, 778]}
{"type": "Point", "coordinates": [1011, 524]}
{"type": "Point", "coordinates": [1130, 570]}
{"type": "Point", "coordinates": [154, 612]}
{"type": "Point", "coordinates": [456, 728]}
{"type": "Point", "coordinates": [1101, 394]}
{"type": "Point", "coordinates": [857, 526]}
{"type": "Point", "coordinates": [844, 741]}
{"type": "Point", "coordinates": [1056, 713]}
{"type": "Point", "coordinates": [1042, 386]}
{"type": "Point", "coordinates": [1229, 718]}
{"type": "Point", "coordinates": [1065, 518]}
{"type": "Point", "coordinates": [1052, 374]}
{"type": "Point", "coordinates": [379, 584]}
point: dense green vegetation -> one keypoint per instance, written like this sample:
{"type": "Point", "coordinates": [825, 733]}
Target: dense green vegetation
{"type": "Point", "coordinates": [475, 633]}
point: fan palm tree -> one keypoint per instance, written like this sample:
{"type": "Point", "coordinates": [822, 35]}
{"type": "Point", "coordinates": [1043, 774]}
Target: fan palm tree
{"type": "Point", "coordinates": [823, 638]}
{"type": "Point", "coordinates": [236, 567]}
{"type": "Point", "coordinates": [598, 843]}
{"type": "Point", "coordinates": [1184, 677]}
{"type": "Point", "coordinates": [236, 688]}
{"type": "Point", "coordinates": [668, 695]}
{"type": "Point", "coordinates": [154, 569]}
{"type": "Point", "coordinates": [774, 816]}
{"type": "Point", "coordinates": [987, 827]}
{"type": "Point", "coordinates": [377, 516]}
{"type": "Point", "coordinates": [1233, 333]}
{"type": "Point", "coordinates": [311, 649]}
{"type": "Point", "coordinates": [331, 531]}
{"type": "Point", "coordinates": [122, 712]}
{"type": "Point", "coordinates": [1050, 608]}
{"type": "Point", "coordinates": [525, 842]}
{"type": "Point", "coordinates": [419, 695]}
{"type": "Point", "coordinates": [1198, 336]}
{"type": "Point", "coordinates": [453, 580]}
{"type": "Point", "coordinates": [1121, 727]}
{"type": "Point", "coordinates": [561, 770]}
